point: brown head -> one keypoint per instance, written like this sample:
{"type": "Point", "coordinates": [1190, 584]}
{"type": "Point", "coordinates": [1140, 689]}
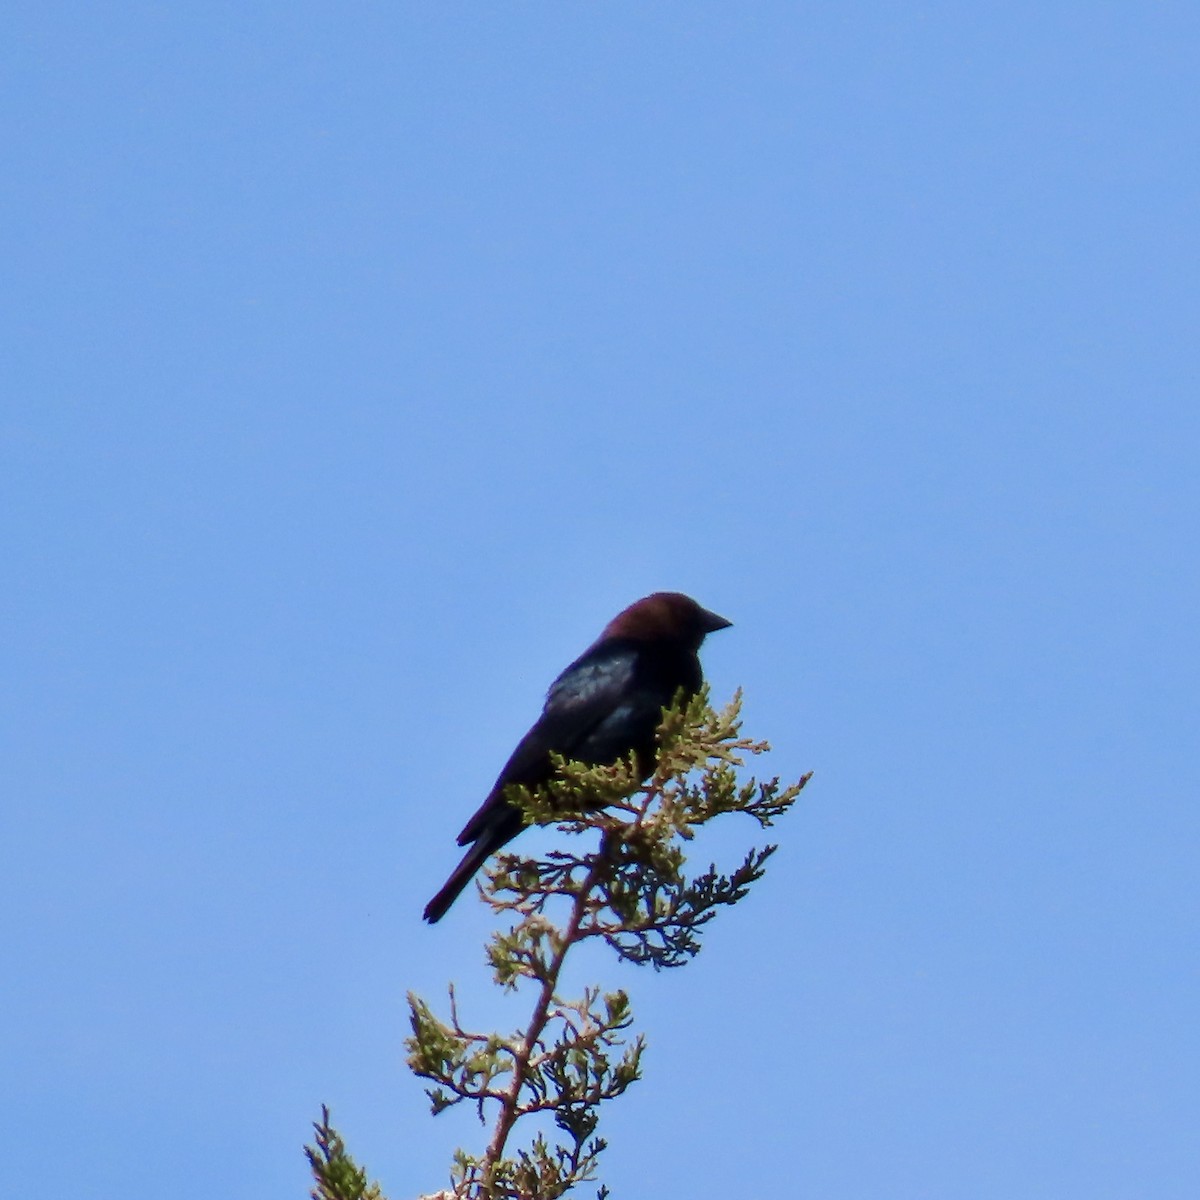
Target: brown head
{"type": "Point", "coordinates": [667, 617]}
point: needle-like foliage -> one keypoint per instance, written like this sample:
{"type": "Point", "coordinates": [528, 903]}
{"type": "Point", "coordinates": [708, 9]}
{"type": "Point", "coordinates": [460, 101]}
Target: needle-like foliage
{"type": "Point", "coordinates": [632, 893]}
{"type": "Point", "coordinates": [336, 1175]}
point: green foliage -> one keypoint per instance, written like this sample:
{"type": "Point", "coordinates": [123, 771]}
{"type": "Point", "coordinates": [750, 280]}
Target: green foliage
{"type": "Point", "coordinates": [335, 1172]}
{"type": "Point", "coordinates": [632, 893]}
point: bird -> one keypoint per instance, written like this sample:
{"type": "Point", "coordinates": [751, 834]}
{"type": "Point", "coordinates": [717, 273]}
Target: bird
{"type": "Point", "coordinates": [608, 703]}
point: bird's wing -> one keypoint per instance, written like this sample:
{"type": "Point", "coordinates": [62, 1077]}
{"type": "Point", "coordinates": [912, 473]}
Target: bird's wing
{"type": "Point", "coordinates": [582, 697]}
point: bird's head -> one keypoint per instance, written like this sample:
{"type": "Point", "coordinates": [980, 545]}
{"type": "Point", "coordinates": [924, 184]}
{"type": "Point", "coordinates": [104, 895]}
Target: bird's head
{"type": "Point", "coordinates": [668, 617]}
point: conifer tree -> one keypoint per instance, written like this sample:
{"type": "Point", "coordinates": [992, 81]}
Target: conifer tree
{"type": "Point", "coordinates": [633, 894]}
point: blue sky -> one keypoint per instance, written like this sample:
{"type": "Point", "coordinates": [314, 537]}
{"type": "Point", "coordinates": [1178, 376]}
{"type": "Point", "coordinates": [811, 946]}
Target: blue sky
{"type": "Point", "coordinates": [363, 360]}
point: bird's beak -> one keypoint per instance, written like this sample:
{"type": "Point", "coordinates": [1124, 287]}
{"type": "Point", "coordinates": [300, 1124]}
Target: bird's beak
{"type": "Point", "coordinates": [710, 622]}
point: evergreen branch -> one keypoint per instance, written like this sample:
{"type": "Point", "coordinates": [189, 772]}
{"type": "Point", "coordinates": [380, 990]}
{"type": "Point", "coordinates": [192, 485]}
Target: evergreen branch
{"type": "Point", "coordinates": [634, 894]}
{"type": "Point", "coordinates": [337, 1175]}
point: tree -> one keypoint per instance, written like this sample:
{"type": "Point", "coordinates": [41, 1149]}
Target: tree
{"type": "Point", "coordinates": [633, 894]}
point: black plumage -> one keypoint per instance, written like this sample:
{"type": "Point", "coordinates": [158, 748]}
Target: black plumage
{"type": "Point", "coordinates": [607, 703]}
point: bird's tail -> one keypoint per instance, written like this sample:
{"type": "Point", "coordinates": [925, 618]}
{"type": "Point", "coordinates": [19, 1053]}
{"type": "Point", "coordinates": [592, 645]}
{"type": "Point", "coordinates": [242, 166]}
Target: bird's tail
{"type": "Point", "coordinates": [474, 858]}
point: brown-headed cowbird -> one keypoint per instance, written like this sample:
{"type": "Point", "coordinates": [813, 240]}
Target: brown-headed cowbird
{"type": "Point", "coordinates": [607, 703]}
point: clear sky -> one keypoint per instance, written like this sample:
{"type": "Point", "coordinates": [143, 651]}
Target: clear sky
{"type": "Point", "coordinates": [361, 360]}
